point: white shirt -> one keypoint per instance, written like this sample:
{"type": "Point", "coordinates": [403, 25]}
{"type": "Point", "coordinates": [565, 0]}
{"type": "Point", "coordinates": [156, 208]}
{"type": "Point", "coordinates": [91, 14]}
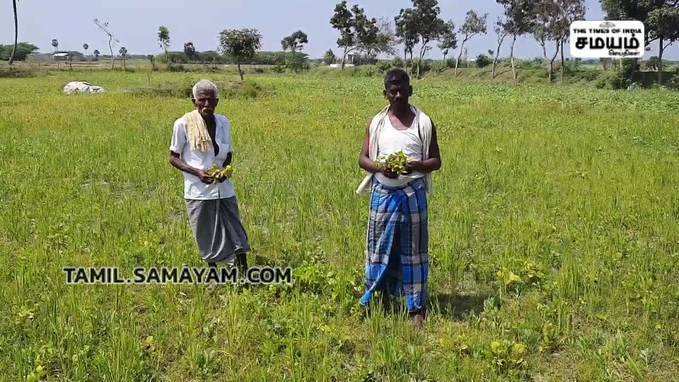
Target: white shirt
{"type": "Point", "coordinates": [193, 187]}
{"type": "Point", "coordinates": [392, 140]}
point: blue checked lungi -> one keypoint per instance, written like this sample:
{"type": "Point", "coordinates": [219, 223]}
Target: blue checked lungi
{"type": "Point", "coordinates": [397, 253]}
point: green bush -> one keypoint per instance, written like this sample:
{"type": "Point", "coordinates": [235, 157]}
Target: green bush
{"type": "Point", "coordinates": [612, 79]}
{"type": "Point", "coordinates": [250, 89]}
{"type": "Point", "coordinates": [585, 75]}
{"type": "Point", "coordinates": [176, 68]}
{"type": "Point", "coordinates": [366, 70]}
{"type": "Point", "coordinates": [482, 61]}
{"type": "Point", "coordinates": [297, 62]}
{"type": "Point", "coordinates": [383, 66]}
{"type": "Point", "coordinates": [17, 73]}
{"type": "Point", "coordinates": [247, 89]}
{"type": "Point", "coordinates": [425, 66]}
{"type": "Point", "coordinates": [439, 66]}
{"type": "Point", "coordinates": [23, 49]}
{"type": "Point", "coordinates": [278, 68]}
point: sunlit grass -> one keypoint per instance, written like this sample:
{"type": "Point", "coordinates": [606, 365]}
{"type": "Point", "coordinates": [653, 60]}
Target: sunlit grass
{"type": "Point", "coordinates": [572, 191]}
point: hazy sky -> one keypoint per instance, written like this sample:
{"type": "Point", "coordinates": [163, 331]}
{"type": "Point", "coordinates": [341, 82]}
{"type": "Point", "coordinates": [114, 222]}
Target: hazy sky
{"type": "Point", "coordinates": [136, 22]}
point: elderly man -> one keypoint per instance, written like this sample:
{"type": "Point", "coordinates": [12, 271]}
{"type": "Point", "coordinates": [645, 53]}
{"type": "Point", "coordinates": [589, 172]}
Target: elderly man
{"type": "Point", "coordinates": [397, 253]}
{"type": "Point", "coordinates": [201, 139]}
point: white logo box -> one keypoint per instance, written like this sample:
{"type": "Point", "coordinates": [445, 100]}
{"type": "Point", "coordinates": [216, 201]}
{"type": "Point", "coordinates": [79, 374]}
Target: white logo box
{"type": "Point", "coordinates": [607, 39]}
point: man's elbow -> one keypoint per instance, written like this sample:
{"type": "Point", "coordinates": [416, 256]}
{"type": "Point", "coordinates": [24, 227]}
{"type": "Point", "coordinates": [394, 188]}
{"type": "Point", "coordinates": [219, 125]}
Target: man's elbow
{"type": "Point", "coordinates": [437, 165]}
{"type": "Point", "coordinates": [361, 161]}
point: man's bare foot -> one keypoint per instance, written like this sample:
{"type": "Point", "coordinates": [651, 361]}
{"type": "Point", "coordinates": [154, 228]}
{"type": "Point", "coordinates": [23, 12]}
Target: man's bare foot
{"type": "Point", "coordinates": [418, 318]}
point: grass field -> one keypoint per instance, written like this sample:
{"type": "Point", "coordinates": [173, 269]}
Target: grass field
{"type": "Point", "coordinates": [554, 234]}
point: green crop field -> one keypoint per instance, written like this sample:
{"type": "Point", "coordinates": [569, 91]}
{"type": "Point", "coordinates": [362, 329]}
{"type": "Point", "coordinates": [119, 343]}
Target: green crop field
{"type": "Point", "coordinates": [554, 234]}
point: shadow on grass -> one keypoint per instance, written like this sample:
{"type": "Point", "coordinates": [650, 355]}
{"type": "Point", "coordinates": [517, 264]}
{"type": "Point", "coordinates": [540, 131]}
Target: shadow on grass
{"type": "Point", "coordinates": [457, 307]}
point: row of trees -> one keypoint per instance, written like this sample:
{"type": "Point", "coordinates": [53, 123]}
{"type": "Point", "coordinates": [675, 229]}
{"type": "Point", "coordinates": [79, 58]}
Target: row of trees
{"type": "Point", "coordinates": [660, 17]}
{"type": "Point", "coordinates": [122, 52]}
{"type": "Point", "coordinates": [241, 45]}
{"type": "Point", "coordinates": [548, 21]}
{"type": "Point", "coordinates": [420, 26]}
{"type": "Point", "coordinates": [17, 52]}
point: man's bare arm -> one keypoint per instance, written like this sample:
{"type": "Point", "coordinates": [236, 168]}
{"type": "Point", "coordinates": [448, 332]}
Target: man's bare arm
{"type": "Point", "coordinates": [177, 162]}
{"type": "Point", "coordinates": [364, 160]}
{"type": "Point", "coordinates": [229, 158]}
{"type": "Point", "coordinates": [433, 163]}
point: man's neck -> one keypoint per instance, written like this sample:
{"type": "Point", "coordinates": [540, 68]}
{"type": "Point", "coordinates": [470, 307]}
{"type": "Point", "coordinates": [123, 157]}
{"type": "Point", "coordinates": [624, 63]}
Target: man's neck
{"type": "Point", "coordinates": [208, 118]}
{"type": "Point", "coordinates": [401, 112]}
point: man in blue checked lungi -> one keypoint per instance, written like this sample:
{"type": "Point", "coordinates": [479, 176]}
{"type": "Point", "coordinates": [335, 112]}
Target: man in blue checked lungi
{"type": "Point", "coordinates": [397, 250]}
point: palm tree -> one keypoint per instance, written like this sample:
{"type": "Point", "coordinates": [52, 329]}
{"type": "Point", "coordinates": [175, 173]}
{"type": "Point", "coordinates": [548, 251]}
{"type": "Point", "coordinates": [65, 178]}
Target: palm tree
{"type": "Point", "coordinates": [85, 47]}
{"type": "Point", "coordinates": [96, 54]}
{"type": "Point", "coordinates": [16, 32]}
{"type": "Point", "coordinates": [123, 55]}
{"type": "Point", "coordinates": [55, 44]}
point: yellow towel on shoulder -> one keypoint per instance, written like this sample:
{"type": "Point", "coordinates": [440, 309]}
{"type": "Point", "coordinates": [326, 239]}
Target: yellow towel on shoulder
{"type": "Point", "coordinates": [196, 132]}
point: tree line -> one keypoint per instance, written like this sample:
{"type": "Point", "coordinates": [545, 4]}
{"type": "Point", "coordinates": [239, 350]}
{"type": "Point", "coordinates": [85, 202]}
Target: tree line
{"type": "Point", "coordinates": [416, 29]}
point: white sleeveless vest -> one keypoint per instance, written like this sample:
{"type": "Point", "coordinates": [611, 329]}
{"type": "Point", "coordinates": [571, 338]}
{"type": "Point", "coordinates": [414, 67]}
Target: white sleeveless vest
{"type": "Point", "coordinates": [425, 131]}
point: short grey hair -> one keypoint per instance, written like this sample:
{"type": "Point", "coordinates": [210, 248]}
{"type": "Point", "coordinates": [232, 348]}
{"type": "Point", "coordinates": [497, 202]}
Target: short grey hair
{"type": "Point", "coordinates": [203, 86]}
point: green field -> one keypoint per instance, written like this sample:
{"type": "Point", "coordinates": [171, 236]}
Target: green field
{"type": "Point", "coordinates": [554, 234]}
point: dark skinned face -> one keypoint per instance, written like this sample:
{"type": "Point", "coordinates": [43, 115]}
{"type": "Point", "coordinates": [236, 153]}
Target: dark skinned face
{"type": "Point", "coordinates": [206, 103]}
{"type": "Point", "coordinates": [398, 94]}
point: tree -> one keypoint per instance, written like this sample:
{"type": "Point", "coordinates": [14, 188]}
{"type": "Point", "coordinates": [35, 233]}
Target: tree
{"type": "Point", "coordinates": [96, 54]}
{"type": "Point", "coordinates": [21, 51]}
{"type": "Point", "coordinates": [544, 30]}
{"type": "Point", "coordinates": [152, 60]}
{"type": "Point", "coordinates": [85, 47]}
{"type": "Point", "coordinates": [664, 23]}
{"type": "Point", "coordinates": [16, 32]}
{"type": "Point", "coordinates": [406, 30]}
{"type": "Point", "coordinates": [660, 17]}
{"type": "Point", "coordinates": [190, 50]}
{"type": "Point", "coordinates": [104, 28]}
{"type": "Point", "coordinates": [473, 25]}
{"type": "Point", "coordinates": [343, 20]}
{"type": "Point", "coordinates": [240, 44]}
{"type": "Point", "coordinates": [329, 57]}
{"type": "Point", "coordinates": [355, 28]}
{"type": "Point", "coordinates": [295, 41]}
{"type": "Point", "coordinates": [382, 41]}
{"type": "Point", "coordinates": [552, 23]}
{"type": "Point", "coordinates": [519, 16]}
{"type": "Point", "coordinates": [55, 44]}
{"type": "Point", "coordinates": [482, 61]}
{"type": "Point", "coordinates": [123, 54]}
{"type": "Point", "coordinates": [423, 22]}
{"type": "Point", "coordinates": [501, 34]}
{"type": "Point", "coordinates": [447, 39]}
{"type": "Point", "coordinates": [164, 39]}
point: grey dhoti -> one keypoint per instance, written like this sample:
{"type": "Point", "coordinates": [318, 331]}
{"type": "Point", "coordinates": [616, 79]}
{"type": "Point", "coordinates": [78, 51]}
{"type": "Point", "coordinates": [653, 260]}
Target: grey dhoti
{"type": "Point", "coordinates": [217, 227]}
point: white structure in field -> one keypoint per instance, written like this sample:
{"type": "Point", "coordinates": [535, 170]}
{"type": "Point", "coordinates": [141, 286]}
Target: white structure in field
{"type": "Point", "coordinates": [76, 87]}
{"type": "Point", "coordinates": [348, 63]}
{"type": "Point", "coordinates": [337, 66]}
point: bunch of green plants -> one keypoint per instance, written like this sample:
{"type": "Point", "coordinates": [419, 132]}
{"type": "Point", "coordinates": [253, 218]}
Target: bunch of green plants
{"type": "Point", "coordinates": [395, 162]}
{"type": "Point", "coordinates": [219, 174]}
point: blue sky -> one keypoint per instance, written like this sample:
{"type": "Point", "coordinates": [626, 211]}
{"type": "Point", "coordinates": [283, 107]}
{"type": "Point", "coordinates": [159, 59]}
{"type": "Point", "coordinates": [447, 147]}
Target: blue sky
{"type": "Point", "coordinates": [135, 22]}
